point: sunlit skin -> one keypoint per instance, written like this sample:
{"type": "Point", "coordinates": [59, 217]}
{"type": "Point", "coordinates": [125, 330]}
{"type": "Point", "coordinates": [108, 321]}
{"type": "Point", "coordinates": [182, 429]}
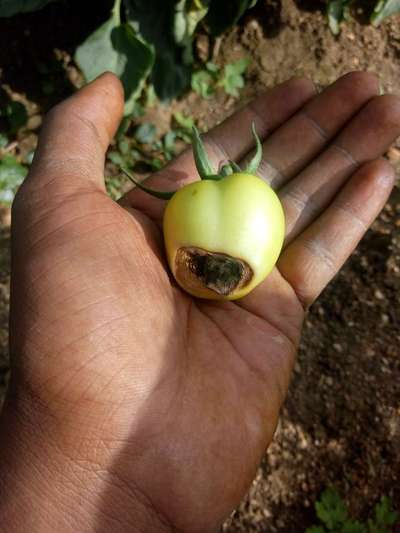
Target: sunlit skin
{"type": "Point", "coordinates": [132, 406]}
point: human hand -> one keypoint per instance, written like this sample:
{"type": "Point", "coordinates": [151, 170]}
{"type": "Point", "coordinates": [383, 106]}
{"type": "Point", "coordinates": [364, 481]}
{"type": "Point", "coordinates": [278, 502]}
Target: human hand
{"type": "Point", "coordinates": [131, 403]}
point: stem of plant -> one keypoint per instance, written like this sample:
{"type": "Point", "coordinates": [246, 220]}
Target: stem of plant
{"type": "Point", "coordinates": [116, 11]}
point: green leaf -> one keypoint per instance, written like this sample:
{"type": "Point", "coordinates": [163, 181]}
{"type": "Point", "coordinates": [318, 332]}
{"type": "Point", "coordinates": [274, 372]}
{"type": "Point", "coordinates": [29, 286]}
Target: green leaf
{"type": "Point", "coordinates": [169, 144]}
{"type": "Point", "coordinates": [169, 76]}
{"type": "Point", "coordinates": [186, 18]}
{"type": "Point", "coordinates": [384, 515]}
{"type": "Point", "coordinates": [212, 67]}
{"type": "Point", "coordinates": [232, 78]}
{"type": "Point", "coordinates": [3, 140]}
{"type": "Point", "coordinates": [335, 13]}
{"type": "Point", "coordinates": [146, 133]}
{"type": "Point", "coordinates": [138, 110]}
{"type": "Point", "coordinates": [353, 526]}
{"type": "Point", "coordinates": [203, 83]}
{"type": "Point", "coordinates": [12, 175]}
{"type": "Point", "coordinates": [383, 9]}
{"type": "Point", "coordinates": [331, 509]}
{"type": "Point", "coordinates": [116, 48]}
{"type": "Point", "coordinates": [224, 15]}
{"type": "Point", "coordinates": [150, 97]}
{"type": "Point", "coordinates": [123, 146]}
{"type": "Point", "coordinates": [315, 529]}
{"type": "Point", "coordinates": [8, 8]}
{"type": "Point", "coordinates": [114, 186]}
{"type": "Point", "coordinates": [123, 128]}
{"type": "Point", "coordinates": [154, 22]}
{"type": "Point", "coordinates": [16, 115]}
{"type": "Point", "coordinates": [29, 157]}
{"type": "Point", "coordinates": [116, 158]}
{"type": "Point", "coordinates": [156, 163]}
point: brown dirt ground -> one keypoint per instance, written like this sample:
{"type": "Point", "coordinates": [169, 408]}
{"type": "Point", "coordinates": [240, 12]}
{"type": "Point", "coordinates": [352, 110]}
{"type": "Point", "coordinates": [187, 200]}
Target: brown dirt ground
{"type": "Point", "coordinates": [341, 422]}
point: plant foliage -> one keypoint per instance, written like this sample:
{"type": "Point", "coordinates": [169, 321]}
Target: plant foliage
{"type": "Point", "coordinates": [338, 10]}
{"type": "Point", "coordinates": [15, 114]}
{"type": "Point", "coordinates": [223, 15]}
{"type": "Point", "coordinates": [383, 9]}
{"type": "Point", "coordinates": [230, 78]}
{"type": "Point", "coordinates": [8, 8]}
{"type": "Point", "coordinates": [12, 175]}
{"type": "Point", "coordinates": [333, 515]}
{"type": "Point", "coordinates": [147, 40]}
{"type": "Point", "coordinates": [155, 38]}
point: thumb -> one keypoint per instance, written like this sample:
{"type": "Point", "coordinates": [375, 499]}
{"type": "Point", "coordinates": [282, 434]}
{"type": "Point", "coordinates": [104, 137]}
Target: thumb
{"type": "Point", "coordinates": [75, 136]}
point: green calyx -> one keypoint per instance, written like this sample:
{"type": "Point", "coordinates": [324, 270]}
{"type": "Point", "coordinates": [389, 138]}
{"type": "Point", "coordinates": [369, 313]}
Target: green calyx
{"type": "Point", "coordinates": [204, 167]}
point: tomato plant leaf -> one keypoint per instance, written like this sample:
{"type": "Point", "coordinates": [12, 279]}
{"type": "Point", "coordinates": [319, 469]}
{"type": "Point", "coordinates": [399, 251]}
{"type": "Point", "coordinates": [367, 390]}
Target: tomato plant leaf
{"type": "Point", "coordinates": [146, 133]}
{"type": "Point", "coordinates": [169, 76]}
{"type": "Point", "coordinates": [331, 510]}
{"type": "Point", "coordinates": [8, 8]}
{"type": "Point", "coordinates": [168, 144]}
{"type": "Point", "coordinates": [203, 83]}
{"type": "Point", "coordinates": [383, 9]}
{"type": "Point", "coordinates": [12, 174]}
{"type": "Point", "coordinates": [16, 115]}
{"type": "Point", "coordinates": [353, 526]}
{"type": "Point", "coordinates": [232, 78]}
{"type": "Point", "coordinates": [384, 515]}
{"type": "Point", "coordinates": [116, 48]}
{"type": "Point", "coordinates": [223, 15]}
{"type": "Point", "coordinates": [186, 18]}
{"type": "Point", "coordinates": [335, 14]}
{"type": "Point", "coordinates": [3, 140]}
{"type": "Point", "coordinates": [153, 21]}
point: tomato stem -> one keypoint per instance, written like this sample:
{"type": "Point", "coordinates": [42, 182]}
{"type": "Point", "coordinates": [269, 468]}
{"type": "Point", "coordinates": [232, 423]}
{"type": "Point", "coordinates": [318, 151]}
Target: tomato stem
{"type": "Point", "coordinates": [226, 170]}
{"type": "Point", "coordinates": [235, 167]}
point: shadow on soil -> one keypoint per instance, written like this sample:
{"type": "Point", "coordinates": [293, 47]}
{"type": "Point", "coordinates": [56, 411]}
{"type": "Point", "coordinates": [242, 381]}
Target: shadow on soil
{"type": "Point", "coordinates": [29, 60]}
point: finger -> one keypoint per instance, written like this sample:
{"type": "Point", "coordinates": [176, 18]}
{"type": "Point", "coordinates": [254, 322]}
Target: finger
{"type": "Point", "coordinates": [365, 138]}
{"type": "Point", "coordinates": [297, 142]}
{"type": "Point", "coordinates": [230, 140]}
{"type": "Point", "coordinates": [233, 138]}
{"type": "Point", "coordinates": [311, 261]}
{"type": "Point", "coordinates": [76, 134]}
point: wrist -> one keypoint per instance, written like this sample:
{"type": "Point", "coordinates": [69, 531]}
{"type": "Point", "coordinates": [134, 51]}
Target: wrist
{"type": "Point", "coordinates": [43, 489]}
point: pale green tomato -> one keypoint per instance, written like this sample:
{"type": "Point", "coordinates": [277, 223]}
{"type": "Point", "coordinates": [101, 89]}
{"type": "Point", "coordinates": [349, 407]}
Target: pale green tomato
{"type": "Point", "coordinates": [223, 234]}
{"type": "Point", "coordinates": [239, 216]}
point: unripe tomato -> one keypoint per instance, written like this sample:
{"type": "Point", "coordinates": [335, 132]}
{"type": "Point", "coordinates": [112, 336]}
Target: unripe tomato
{"type": "Point", "coordinates": [223, 234]}
{"type": "Point", "coordinates": [223, 237]}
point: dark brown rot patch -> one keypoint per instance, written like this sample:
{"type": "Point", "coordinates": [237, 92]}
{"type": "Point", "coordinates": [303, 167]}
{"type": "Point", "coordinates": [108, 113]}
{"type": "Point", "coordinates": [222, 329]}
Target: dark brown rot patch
{"type": "Point", "coordinates": [197, 268]}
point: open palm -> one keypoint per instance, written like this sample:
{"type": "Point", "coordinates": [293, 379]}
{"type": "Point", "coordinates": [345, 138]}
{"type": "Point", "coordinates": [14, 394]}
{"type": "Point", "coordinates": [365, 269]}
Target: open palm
{"type": "Point", "coordinates": [173, 400]}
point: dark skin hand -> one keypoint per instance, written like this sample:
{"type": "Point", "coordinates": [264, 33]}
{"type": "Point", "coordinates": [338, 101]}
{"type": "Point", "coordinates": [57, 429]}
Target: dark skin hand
{"type": "Point", "coordinates": [132, 406]}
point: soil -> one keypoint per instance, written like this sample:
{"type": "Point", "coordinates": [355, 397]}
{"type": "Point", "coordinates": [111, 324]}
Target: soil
{"type": "Point", "coordinates": [340, 425]}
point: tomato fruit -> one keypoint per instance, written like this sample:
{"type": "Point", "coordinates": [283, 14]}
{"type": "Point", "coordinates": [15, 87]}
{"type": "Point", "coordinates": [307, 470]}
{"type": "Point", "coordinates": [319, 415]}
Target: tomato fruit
{"type": "Point", "coordinates": [223, 234]}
